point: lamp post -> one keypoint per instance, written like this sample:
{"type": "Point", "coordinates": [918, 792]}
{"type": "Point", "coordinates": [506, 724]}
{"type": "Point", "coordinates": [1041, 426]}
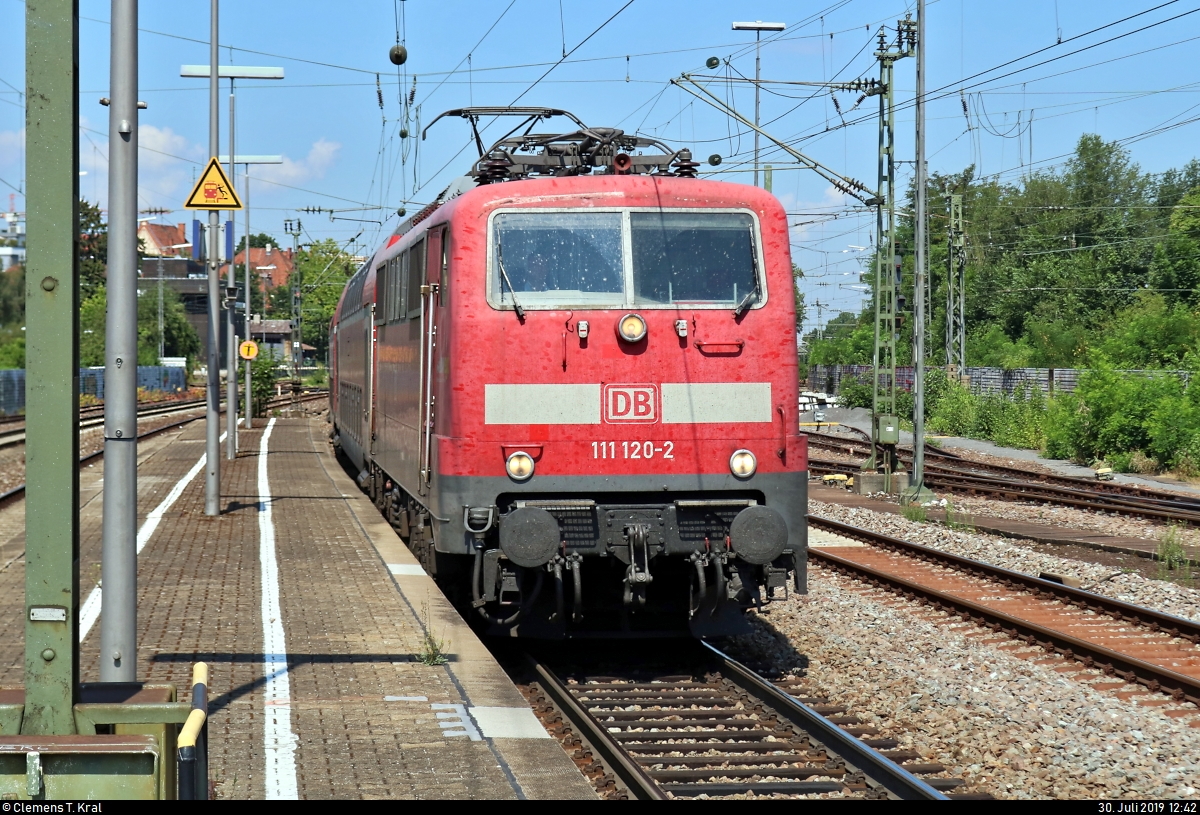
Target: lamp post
{"type": "Point", "coordinates": [214, 73]}
{"type": "Point", "coordinates": [118, 626]}
{"type": "Point", "coordinates": [162, 337]}
{"type": "Point", "coordinates": [758, 27]}
{"type": "Point", "coordinates": [247, 161]}
{"type": "Point", "coordinates": [295, 229]}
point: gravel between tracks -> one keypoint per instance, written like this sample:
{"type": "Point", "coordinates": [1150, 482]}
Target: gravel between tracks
{"type": "Point", "coordinates": [1004, 724]}
{"type": "Point", "coordinates": [1011, 554]}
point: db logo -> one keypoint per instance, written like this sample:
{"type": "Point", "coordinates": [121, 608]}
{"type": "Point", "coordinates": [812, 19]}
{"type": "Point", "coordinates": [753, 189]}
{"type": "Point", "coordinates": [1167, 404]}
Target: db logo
{"type": "Point", "coordinates": [631, 403]}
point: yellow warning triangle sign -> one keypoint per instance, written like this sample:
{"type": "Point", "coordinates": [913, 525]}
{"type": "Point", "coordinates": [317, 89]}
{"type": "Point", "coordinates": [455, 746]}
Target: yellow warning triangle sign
{"type": "Point", "coordinates": [213, 190]}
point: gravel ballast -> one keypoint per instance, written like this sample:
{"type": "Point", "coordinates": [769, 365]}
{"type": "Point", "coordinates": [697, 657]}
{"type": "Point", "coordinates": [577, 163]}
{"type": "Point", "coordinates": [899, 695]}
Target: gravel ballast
{"type": "Point", "coordinates": [1006, 725]}
{"type": "Point", "coordinates": [1011, 554]}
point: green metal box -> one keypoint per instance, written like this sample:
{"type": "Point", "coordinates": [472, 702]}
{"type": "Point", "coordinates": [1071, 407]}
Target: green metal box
{"type": "Point", "coordinates": [79, 768]}
{"type": "Point", "coordinates": [887, 429]}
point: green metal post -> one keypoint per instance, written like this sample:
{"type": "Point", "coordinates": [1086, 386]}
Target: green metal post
{"type": "Point", "coordinates": [52, 367]}
{"type": "Point", "coordinates": [956, 261]}
{"type": "Point", "coordinates": [884, 423]}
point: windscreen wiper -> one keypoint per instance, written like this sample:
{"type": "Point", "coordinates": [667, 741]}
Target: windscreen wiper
{"type": "Point", "coordinates": [504, 276]}
{"type": "Point", "coordinates": [756, 292]}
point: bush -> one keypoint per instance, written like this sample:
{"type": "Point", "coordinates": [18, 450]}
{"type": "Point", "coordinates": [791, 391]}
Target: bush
{"type": "Point", "coordinates": [955, 411]}
{"type": "Point", "coordinates": [262, 381]}
{"type": "Point", "coordinates": [855, 393]}
{"type": "Point", "coordinates": [1135, 423]}
{"type": "Point", "coordinates": [1018, 421]}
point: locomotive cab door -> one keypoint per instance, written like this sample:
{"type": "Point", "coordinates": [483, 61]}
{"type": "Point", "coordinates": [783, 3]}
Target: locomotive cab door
{"type": "Point", "coordinates": [430, 293]}
{"type": "Point", "coordinates": [369, 381]}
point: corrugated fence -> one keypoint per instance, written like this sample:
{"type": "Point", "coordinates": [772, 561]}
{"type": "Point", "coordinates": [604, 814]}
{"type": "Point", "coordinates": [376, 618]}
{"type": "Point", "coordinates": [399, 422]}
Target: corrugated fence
{"type": "Point", "coordinates": [828, 378]}
{"type": "Point", "coordinates": [91, 382]}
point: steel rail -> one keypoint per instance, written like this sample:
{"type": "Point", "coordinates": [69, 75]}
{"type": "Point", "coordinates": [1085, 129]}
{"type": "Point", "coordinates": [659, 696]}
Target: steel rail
{"type": "Point", "coordinates": [939, 478]}
{"type": "Point", "coordinates": [1056, 495]}
{"type": "Point", "coordinates": [597, 739]}
{"type": "Point", "coordinates": [10, 438]}
{"type": "Point", "coordinates": [858, 756]}
{"type": "Point", "coordinates": [957, 464]}
{"type": "Point", "coordinates": [1129, 668]}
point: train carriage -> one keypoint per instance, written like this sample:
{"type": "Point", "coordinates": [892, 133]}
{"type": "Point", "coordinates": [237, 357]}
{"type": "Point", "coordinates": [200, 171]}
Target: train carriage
{"type": "Point", "coordinates": [571, 385]}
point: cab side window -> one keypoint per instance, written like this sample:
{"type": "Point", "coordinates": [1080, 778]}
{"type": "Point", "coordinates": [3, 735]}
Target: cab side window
{"type": "Point", "coordinates": [415, 258]}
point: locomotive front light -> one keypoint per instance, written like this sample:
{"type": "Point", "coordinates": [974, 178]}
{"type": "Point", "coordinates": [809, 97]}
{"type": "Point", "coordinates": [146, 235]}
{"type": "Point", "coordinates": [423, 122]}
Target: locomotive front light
{"type": "Point", "coordinates": [743, 464]}
{"type": "Point", "coordinates": [519, 466]}
{"type": "Point", "coordinates": [632, 328]}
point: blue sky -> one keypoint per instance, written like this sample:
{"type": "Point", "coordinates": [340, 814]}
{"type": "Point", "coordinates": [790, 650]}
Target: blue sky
{"type": "Point", "coordinates": [343, 152]}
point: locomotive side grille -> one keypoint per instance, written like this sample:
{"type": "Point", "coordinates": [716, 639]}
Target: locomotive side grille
{"type": "Point", "coordinates": [711, 523]}
{"type": "Point", "coordinates": [579, 527]}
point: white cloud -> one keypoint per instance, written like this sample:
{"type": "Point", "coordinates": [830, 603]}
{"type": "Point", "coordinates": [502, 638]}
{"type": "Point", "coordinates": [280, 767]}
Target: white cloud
{"type": "Point", "coordinates": [319, 159]}
{"type": "Point", "coordinates": [159, 146]}
{"type": "Point", "coordinates": [12, 147]}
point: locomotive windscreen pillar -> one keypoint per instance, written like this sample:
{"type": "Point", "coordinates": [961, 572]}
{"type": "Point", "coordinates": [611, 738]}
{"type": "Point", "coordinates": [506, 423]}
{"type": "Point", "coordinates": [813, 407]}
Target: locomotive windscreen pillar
{"type": "Point", "coordinates": [51, 608]}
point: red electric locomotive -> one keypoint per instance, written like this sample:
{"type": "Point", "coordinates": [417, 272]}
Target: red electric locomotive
{"type": "Point", "coordinates": [571, 386]}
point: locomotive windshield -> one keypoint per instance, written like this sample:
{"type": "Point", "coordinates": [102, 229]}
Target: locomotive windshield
{"type": "Point", "coordinates": [617, 259]}
{"type": "Point", "coordinates": [556, 258]}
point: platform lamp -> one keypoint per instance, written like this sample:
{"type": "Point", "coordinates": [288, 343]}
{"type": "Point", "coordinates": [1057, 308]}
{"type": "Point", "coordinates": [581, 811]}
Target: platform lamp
{"type": "Point", "coordinates": [230, 72]}
{"type": "Point", "coordinates": [758, 27]}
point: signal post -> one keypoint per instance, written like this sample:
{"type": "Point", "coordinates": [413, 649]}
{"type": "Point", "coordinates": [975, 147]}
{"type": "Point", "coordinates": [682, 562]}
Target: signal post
{"type": "Point", "coordinates": [49, 746]}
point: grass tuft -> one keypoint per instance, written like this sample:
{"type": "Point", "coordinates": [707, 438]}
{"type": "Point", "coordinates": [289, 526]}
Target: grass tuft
{"type": "Point", "coordinates": [913, 512]}
{"type": "Point", "coordinates": [1172, 555]}
{"type": "Point", "coordinates": [959, 522]}
{"type": "Point", "coordinates": [433, 649]}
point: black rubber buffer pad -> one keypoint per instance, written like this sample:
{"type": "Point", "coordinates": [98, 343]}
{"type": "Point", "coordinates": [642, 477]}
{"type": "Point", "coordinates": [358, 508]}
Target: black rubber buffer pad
{"type": "Point", "coordinates": [529, 536]}
{"type": "Point", "coordinates": [758, 535]}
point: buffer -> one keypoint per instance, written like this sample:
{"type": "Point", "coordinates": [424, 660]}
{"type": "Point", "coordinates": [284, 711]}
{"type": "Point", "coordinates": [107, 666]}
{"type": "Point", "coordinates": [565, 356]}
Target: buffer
{"type": "Point", "coordinates": [213, 190]}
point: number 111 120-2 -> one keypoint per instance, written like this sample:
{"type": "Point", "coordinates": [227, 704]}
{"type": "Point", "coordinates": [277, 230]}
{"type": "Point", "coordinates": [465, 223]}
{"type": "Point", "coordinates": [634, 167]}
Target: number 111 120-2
{"type": "Point", "coordinates": [632, 449]}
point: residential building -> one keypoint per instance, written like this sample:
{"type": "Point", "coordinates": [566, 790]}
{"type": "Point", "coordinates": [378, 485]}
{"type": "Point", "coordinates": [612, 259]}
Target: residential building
{"type": "Point", "coordinates": [157, 238]}
{"type": "Point", "coordinates": [12, 239]}
{"type": "Point", "coordinates": [272, 265]}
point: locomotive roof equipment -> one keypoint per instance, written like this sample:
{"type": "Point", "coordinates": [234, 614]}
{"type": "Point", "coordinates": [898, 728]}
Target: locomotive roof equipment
{"type": "Point", "coordinates": [577, 152]}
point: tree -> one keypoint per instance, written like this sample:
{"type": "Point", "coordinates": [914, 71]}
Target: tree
{"type": "Point", "coordinates": [259, 241]}
{"type": "Point", "coordinates": [322, 271]}
{"type": "Point", "coordinates": [181, 338]}
{"type": "Point", "coordinates": [12, 297]}
{"type": "Point", "coordinates": [93, 249]}
{"type": "Point", "coordinates": [801, 311]}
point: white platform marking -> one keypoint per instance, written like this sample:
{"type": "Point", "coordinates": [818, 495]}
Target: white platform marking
{"type": "Point", "coordinates": [90, 612]}
{"type": "Point", "coordinates": [406, 569]}
{"type": "Point", "coordinates": [508, 723]}
{"type": "Point", "coordinates": [405, 698]}
{"type": "Point", "coordinates": [279, 742]}
{"type": "Point", "coordinates": [456, 722]}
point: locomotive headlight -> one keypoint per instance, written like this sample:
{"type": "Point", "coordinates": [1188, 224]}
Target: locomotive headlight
{"type": "Point", "coordinates": [519, 466]}
{"type": "Point", "coordinates": [632, 328]}
{"type": "Point", "coordinates": [743, 464]}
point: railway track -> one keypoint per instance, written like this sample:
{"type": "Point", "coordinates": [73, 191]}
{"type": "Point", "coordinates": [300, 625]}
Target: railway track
{"type": "Point", "coordinates": [17, 493]}
{"type": "Point", "coordinates": [719, 730]}
{"type": "Point", "coordinates": [1139, 645]}
{"type": "Point", "coordinates": [937, 477]}
{"type": "Point", "coordinates": [94, 417]}
{"type": "Point", "coordinates": [965, 474]}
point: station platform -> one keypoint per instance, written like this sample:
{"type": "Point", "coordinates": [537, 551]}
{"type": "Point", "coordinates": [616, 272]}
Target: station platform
{"type": "Point", "coordinates": [313, 616]}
